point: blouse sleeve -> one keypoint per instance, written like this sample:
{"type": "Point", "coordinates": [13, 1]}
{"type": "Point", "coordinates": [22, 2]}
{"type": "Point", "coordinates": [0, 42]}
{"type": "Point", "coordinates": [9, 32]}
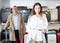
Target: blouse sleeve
{"type": "Point", "coordinates": [31, 24]}
{"type": "Point", "coordinates": [45, 22]}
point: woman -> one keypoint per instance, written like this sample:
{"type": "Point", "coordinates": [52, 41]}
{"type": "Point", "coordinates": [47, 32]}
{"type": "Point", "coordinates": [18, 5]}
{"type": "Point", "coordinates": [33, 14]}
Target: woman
{"type": "Point", "coordinates": [37, 24]}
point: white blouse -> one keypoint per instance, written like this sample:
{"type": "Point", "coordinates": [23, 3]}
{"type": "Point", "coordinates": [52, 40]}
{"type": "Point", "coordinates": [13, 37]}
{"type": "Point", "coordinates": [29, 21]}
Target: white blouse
{"type": "Point", "coordinates": [35, 27]}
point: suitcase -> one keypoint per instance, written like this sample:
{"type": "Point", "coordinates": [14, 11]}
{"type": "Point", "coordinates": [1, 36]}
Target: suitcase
{"type": "Point", "coordinates": [3, 34]}
{"type": "Point", "coordinates": [51, 37]}
{"type": "Point", "coordinates": [26, 38]}
{"type": "Point", "coordinates": [58, 37]}
{"type": "Point", "coordinates": [7, 40]}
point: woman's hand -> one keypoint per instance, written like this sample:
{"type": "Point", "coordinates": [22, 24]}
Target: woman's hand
{"type": "Point", "coordinates": [44, 31]}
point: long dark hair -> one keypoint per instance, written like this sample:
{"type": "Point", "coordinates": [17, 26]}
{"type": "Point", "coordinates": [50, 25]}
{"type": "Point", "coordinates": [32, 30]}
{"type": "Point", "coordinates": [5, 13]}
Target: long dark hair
{"type": "Point", "coordinates": [33, 11]}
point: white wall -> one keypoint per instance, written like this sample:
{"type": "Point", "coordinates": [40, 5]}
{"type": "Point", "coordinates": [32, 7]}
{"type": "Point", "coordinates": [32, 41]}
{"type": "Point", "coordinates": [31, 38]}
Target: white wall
{"type": "Point", "coordinates": [5, 3]}
{"type": "Point", "coordinates": [30, 3]}
{"type": "Point", "coordinates": [0, 4]}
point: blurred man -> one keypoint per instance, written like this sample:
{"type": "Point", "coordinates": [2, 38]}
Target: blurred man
{"type": "Point", "coordinates": [17, 26]}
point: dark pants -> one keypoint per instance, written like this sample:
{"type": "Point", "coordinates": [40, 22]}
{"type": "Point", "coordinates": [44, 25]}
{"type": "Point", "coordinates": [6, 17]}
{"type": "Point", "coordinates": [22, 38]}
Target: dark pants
{"type": "Point", "coordinates": [17, 36]}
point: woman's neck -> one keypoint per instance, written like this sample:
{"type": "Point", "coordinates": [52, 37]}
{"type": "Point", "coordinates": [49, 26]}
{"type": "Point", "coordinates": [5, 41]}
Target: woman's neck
{"type": "Point", "coordinates": [39, 15]}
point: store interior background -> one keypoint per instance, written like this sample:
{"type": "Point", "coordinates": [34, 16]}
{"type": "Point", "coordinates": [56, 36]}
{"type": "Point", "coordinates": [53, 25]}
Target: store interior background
{"type": "Point", "coordinates": [50, 8]}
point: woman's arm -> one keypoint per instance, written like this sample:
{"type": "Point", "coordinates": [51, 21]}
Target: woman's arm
{"type": "Point", "coordinates": [45, 24]}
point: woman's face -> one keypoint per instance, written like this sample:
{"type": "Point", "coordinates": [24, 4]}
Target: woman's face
{"type": "Point", "coordinates": [37, 9]}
